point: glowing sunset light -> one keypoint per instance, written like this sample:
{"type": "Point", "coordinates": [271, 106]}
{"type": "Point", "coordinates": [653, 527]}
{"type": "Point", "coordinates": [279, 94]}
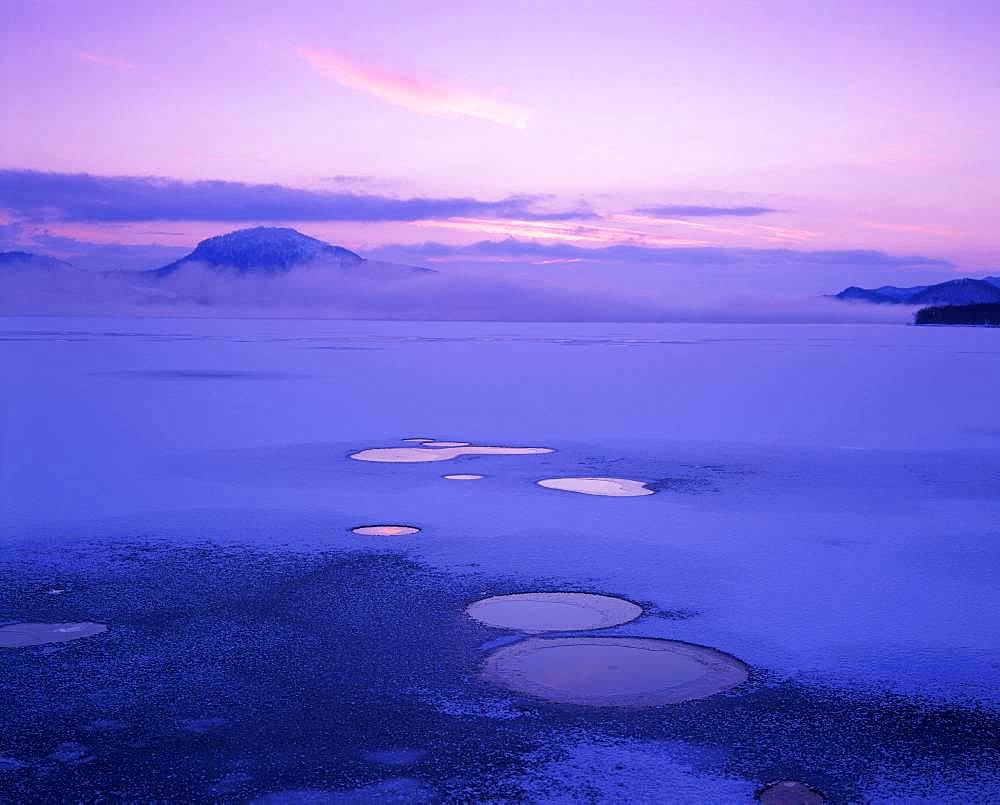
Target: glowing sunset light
{"type": "Point", "coordinates": [558, 231]}
{"type": "Point", "coordinates": [410, 135]}
{"type": "Point", "coordinates": [651, 220]}
{"type": "Point", "coordinates": [763, 231]}
{"type": "Point", "coordinates": [779, 233]}
{"type": "Point", "coordinates": [415, 94]}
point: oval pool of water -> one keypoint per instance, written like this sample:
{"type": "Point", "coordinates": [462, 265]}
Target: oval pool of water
{"type": "Point", "coordinates": [407, 455]}
{"type": "Point", "coordinates": [385, 530]}
{"type": "Point", "coordinates": [790, 792]}
{"type": "Point", "coordinates": [553, 612]}
{"type": "Point", "coordinates": [613, 671]}
{"type": "Point", "coordinates": [607, 487]}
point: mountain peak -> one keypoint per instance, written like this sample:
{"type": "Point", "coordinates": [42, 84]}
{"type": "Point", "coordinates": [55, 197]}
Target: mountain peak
{"type": "Point", "coordinates": [263, 249]}
{"type": "Point", "coordinates": [962, 291]}
{"type": "Point", "coordinates": [32, 261]}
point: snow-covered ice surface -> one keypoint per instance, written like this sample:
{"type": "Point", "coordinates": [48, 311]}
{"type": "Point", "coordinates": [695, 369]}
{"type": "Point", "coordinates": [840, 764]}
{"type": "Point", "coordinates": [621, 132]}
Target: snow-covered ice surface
{"type": "Point", "coordinates": [827, 511]}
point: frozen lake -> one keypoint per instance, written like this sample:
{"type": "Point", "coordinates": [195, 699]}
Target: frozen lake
{"type": "Point", "coordinates": [827, 510]}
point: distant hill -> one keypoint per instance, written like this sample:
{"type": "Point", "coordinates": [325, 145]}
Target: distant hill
{"type": "Point", "coordinates": [988, 314]}
{"type": "Point", "coordinates": [271, 250]}
{"type": "Point", "coordinates": [886, 295]}
{"type": "Point", "coordinates": [958, 292]}
{"type": "Point", "coordinates": [963, 291]}
{"type": "Point", "coordinates": [29, 261]}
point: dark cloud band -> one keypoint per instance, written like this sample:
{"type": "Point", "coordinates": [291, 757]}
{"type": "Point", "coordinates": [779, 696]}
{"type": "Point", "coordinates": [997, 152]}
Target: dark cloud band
{"type": "Point", "coordinates": [80, 197]}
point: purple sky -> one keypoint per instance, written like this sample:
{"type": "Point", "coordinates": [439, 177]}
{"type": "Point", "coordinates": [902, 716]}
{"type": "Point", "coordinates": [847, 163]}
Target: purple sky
{"type": "Point", "coordinates": [768, 125]}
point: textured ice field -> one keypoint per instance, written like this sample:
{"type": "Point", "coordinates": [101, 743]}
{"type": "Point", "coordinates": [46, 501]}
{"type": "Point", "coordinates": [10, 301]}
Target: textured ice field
{"type": "Point", "coordinates": [827, 503]}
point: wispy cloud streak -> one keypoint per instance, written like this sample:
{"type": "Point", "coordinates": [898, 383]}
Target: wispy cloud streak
{"type": "Point", "coordinates": [104, 61]}
{"type": "Point", "coordinates": [940, 232]}
{"type": "Point", "coordinates": [694, 211]}
{"type": "Point", "coordinates": [416, 94]}
{"type": "Point", "coordinates": [775, 234]}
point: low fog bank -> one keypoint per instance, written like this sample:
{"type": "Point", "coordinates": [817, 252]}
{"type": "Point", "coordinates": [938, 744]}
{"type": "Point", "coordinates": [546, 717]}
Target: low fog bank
{"type": "Point", "coordinates": [383, 291]}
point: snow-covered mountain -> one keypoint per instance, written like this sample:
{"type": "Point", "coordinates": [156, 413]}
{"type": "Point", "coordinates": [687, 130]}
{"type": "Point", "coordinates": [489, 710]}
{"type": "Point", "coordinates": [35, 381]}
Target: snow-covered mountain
{"type": "Point", "coordinates": [273, 250]}
{"type": "Point", "coordinates": [958, 292]}
{"type": "Point", "coordinates": [265, 270]}
{"type": "Point", "coordinates": [963, 291]}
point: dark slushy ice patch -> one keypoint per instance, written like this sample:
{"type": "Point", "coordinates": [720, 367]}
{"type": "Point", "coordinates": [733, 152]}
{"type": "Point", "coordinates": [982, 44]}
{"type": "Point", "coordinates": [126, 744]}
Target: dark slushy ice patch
{"type": "Point", "coordinates": [606, 487]}
{"type": "Point", "coordinates": [237, 674]}
{"type": "Point", "coordinates": [70, 752]}
{"type": "Point", "coordinates": [347, 349]}
{"type": "Point", "coordinates": [400, 789]}
{"type": "Point", "coordinates": [203, 374]}
{"type": "Point", "coordinates": [201, 724]}
{"type": "Point", "coordinates": [553, 612]}
{"type": "Point", "coordinates": [305, 664]}
{"type": "Point", "coordinates": [613, 671]}
{"type": "Point", "coordinates": [790, 792]}
{"type": "Point", "coordinates": [385, 530]}
{"type": "Point", "coordinates": [686, 486]}
{"type": "Point", "coordinates": [18, 635]}
{"type": "Point", "coordinates": [395, 757]}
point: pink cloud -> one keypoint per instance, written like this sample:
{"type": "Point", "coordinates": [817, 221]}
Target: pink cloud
{"type": "Point", "coordinates": [780, 233]}
{"type": "Point", "coordinates": [558, 231]}
{"type": "Point", "coordinates": [104, 61]}
{"type": "Point", "coordinates": [416, 94]}
{"type": "Point", "coordinates": [650, 220]}
{"type": "Point", "coordinates": [770, 233]}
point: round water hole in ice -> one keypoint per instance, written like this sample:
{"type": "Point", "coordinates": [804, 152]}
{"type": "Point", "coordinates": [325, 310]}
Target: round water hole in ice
{"type": "Point", "coordinates": [16, 635]}
{"type": "Point", "coordinates": [790, 792]}
{"type": "Point", "coordinates": [613, 671]}
{"type": "Point", "coordinates": [408, 455]}
{"type": "Point", "coordinates": [385, 530]}
{"type": "Point", "coordinates": [553, 612]}
{"type": "Point", "coordinates": [608, 487]}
